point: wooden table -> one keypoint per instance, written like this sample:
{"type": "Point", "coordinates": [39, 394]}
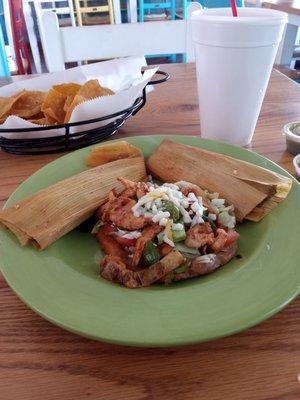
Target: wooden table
{"type": "Point", "coordinates": [41, 361]}
{"type": "Point", "coordinates": [287, 46]}
{"type": "Point", "coordinates": [288, 6]}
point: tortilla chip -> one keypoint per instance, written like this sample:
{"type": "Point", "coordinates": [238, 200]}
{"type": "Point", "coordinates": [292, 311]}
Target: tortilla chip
{"type": "Point", "coordinates": [38, 115]}
{"type": "Point", "coordinates": [68, 89]}
{"type": "Point", "coordinates": [53, 106]}
{"type": "Point", "coordinates": [48, 112]}
{"type": "Point", "coordinates": [6, 104]}
{"type": "Point", "coordinates": [39, 121]}
{"type": "Point", "coordinates": [92, 89]}
{"type": "Point", "coordinates": [77, 100]}
{"type": "Point", "coordinates": [27, 103]}
{"type": "Point", "coordinates": [107, 91]}
{"type": "Point", "coordinates": [50, 120]}
{"type": "Point", "coordinates": [68, 102]}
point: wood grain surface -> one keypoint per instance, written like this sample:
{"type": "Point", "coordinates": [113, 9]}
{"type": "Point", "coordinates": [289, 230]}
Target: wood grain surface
{"type": "Point", "coordinates": [288, 6]}
{"type": "Point", "coordinates": [41, 361]}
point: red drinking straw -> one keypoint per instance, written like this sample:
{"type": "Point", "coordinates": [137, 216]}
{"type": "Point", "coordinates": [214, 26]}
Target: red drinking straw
{"type": "Point", "coordinates": [233, 8]}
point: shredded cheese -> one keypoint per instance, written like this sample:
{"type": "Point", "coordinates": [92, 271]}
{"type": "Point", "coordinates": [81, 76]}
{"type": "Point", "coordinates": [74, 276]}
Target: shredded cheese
{"type": "Point", "coordinates": [191, 207]}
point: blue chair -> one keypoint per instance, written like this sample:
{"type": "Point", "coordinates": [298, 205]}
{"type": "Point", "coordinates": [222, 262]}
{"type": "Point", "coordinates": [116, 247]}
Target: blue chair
{"type": "Point", "coordinates": [220, 3]}
{"type": "Point", "coordinates": [4, 69]}
{"type": "Point", "coordinates": [2, 22]}
{"type": "Point", "coordinates": [145, 7]}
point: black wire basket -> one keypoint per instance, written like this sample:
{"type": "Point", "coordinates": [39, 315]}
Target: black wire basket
{"type": "Point", "coordinates": [72, 141]}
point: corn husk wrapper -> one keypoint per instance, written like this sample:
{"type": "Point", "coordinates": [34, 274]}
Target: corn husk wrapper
{"type": "Point", "coordinates": [254, 191]}
{"type": "Point", "coordinates": [45, 216]}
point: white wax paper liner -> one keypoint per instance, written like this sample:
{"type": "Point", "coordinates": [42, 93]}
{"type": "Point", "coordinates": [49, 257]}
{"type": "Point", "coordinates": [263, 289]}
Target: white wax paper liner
{"type": "Point", "coordinates": [123, 76]}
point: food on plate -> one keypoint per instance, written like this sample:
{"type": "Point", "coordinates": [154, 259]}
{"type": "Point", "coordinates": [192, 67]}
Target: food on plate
{"type": "Point", "coordinates": [253, 191]}
{"type": "Point", "coordinates": [111, 152]}
{"type": "Point", "coordinates": [45, 216]}
{"type": "Point", "coordinates": [150, 232]}
{"type": "Point", "coordinates": [154, 234]}
{"type": "Point", "coordinates": [52, 107]}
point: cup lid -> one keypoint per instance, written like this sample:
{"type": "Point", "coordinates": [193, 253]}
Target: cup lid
{"type": "Point", "coordinates": [246, 15]}
{"type": "Point", "coordinates": [254, 27]}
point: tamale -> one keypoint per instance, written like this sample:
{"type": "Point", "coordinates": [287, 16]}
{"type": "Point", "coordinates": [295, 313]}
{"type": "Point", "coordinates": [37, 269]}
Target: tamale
{"type": "Point", "coordinates": [45, 216]}
{"type": "Point", "coordinates": [111, 152]}
{"type": "Point", "coordinates": [254, 191]}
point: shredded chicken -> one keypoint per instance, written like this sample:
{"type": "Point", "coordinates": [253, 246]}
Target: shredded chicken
{"type": "Point", "coordinates": [199, 235]}
{"type": "Point", "coordinates": [220, 240]}
{"type": "Point", "coordinates": [198, 268]}
{"type": "Point", "coordinates": [115, 270]}
{"type": "Point", "coordinates": [119, 211]}
{"type": "Point", "coordinates": [110, 246]}
{"type": "Point", "coordinates": [133, 189]}
{"type": "Point", "coordinates": [148, 234]}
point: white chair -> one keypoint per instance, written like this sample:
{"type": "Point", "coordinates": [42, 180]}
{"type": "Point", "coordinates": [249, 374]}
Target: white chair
{"type": "Point", "coordinates": [6, 9]}
{"type": "Point", "coordinates": [58, 6]}
{"type": "Point", "coordinates": [29, 20]}
{"type": "Point", "coordinates": [73, 44]}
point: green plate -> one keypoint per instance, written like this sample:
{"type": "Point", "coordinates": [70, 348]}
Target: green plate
{"type": "Point", "coordinates": [62, 283]}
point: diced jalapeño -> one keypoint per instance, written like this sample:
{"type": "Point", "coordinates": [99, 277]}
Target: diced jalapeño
{"type": "Point", "coordinates": [173, 210]}
{"type": "Point", "coordinates": [150, 254]}
{"type": "Point", "coordinates": [179, 236]}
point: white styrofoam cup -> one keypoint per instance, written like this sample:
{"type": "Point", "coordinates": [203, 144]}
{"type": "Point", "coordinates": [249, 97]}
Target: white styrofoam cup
{"type": "Point", "coordinates": [234, 59]}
